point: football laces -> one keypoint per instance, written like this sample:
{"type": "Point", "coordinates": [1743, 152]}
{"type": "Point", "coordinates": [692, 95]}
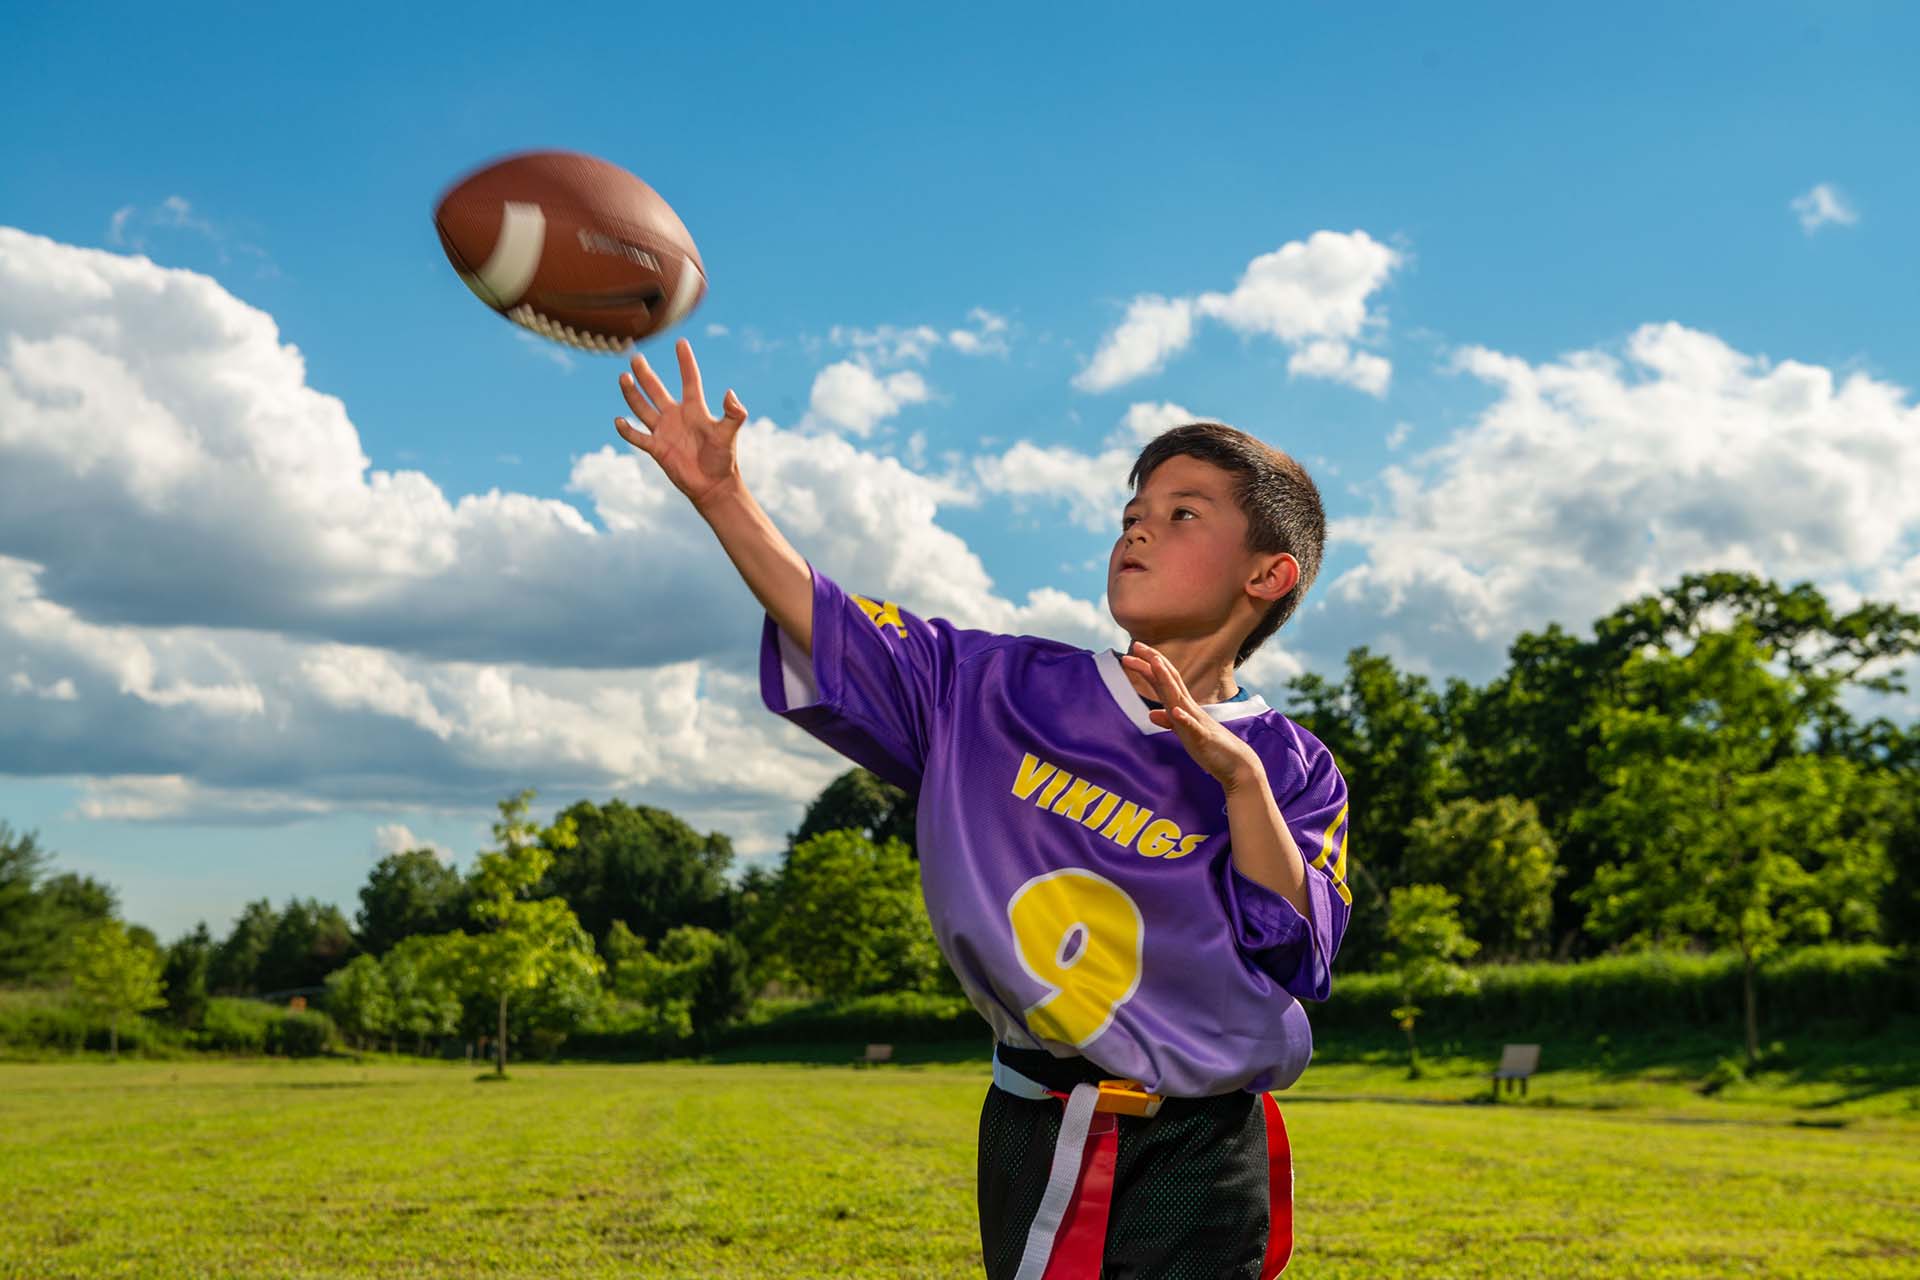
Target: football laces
{"type": "Point", "coordinates": [527, 318]}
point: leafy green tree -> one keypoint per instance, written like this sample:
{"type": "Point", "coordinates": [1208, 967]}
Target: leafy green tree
{"type": "Point", "coordinates": [859, 800]}
{"type": "Point", "coordinates": [1500, 860]}
{"type": "Point", "coordinates": [113, 976]}
{"type": "Point", "coordinates": [848, 917]}
{"type": "Point", "coordinates": [690, 987]}
{"type": "Point", "coordinates": [1425, 943]}
{"type": "Point", "coordinates": [309, 940]}
{"type": "Point", "coordinates": [28, 931]}
{"type": "Point", "coordinates": [641, 865]}
{"type": "Point", "coordinates": [188, 962]}
{"type": "Point", "coordinates": [408, 893]}
{"type": "Point", "coordinates": [1738, 838]}
{"type": "Point", "coordinates": [423, 975]}
{"type": "Point", "coordinates": [527, 942]}
{"type": "Point", "coordinates": [359, 1002]}
{"type": "Point", "coordinates": [1389, 734]}
{"type": "Point", "coordinates": [237, 957]}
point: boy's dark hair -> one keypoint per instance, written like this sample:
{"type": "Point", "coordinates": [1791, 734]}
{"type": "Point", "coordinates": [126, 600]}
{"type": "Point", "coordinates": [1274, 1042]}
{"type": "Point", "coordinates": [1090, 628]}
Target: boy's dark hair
{"type": "Point", "coordinates": [1281, 503]}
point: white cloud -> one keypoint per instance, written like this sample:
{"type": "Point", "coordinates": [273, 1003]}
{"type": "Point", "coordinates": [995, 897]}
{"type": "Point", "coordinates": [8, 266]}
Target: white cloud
{"type": "Point", "coordinates": [717, 331]}
{"type": "Point", "coordinates": [224, 615]}
{"type": "Point", "coordinates": [1598, 477]}
{"type": "Point", "coordinates": [1311, 295]}
{"type": "Point", "coordinates": [1147, 419]}
{"type": "Point", "coordinates": [397, 837]}
{"type": "Point", "coordinates": [1334, 360]}
{"type": "Point", "coordinates": [852, 396]}
{"type": "Point", "coordinates": [1821, 205]}
{"type": "Point", "coordinates": [988, 337]}
{"type": "Point", "coordinates": [1092, 485]}
{"type": "Point", "coordinates": [1154, 329]}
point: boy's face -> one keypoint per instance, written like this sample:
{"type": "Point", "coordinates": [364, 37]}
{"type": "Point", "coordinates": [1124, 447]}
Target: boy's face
{"type": "Point", "coordinates": [1190, 538]}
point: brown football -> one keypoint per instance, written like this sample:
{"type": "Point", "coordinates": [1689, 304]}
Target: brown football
{"type": "Point", "coordinates": [574, 248]}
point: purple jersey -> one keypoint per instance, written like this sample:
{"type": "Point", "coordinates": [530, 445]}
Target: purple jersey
{"type": "Point", "coordinates": [1074, 857]}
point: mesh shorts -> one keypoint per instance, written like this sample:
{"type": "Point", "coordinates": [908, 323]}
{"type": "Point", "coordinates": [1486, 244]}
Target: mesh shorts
{"type": "Point", "coordinates": [1192, 1186]}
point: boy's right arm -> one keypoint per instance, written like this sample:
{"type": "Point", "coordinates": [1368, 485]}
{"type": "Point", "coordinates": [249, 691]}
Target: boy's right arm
{"type": "Point", "coordinates": [697, 453]}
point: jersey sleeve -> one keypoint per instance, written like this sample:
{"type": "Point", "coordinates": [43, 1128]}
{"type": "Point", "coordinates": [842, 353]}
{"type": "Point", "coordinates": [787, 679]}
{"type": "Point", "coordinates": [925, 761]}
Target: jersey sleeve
{"type": "Point", "coordinates": [877, 680]}
{"type": "Point", "coordinates": [1297, 952]}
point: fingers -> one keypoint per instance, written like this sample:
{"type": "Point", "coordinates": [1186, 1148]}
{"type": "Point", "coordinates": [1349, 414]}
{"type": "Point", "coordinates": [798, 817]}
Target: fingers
{"type": "Point", "coordinates": [649, 382]}
{"type": "Point", "coordinates": [733, 413]}
{"type": "Point", "coordinates": [647, 412]}
{"type": "Point", "coordinates": [633, 436]}
{"type": "Point", "coordinates": [691, 392]}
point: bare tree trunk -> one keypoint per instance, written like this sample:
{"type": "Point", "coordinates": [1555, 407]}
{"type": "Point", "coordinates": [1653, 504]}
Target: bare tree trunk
{"type": "Point", "coordinates": [501, 1067]}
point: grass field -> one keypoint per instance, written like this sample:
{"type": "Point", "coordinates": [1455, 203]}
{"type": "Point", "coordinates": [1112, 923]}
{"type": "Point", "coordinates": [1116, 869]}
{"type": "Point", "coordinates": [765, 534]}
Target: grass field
{"type": "Point", "coordinates": [397, 1169]}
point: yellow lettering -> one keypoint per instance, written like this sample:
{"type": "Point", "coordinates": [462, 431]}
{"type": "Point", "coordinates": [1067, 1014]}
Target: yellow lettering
{"type": "Point", "coordinates": [1078, 797]}
{"type": "Point", "coordinates": [1157, 838]}
{"type": "Point", "coordinates": [1060, 780]}
{"type": "Point", "coordinates": [1326, 839]}
{"type": "Point", "coordinates": [1033, 772]}
{"type": "Point", "coordinates": [1100, 811]}
{"type": "Point", "coordinates": [1126, 824]}
{"type": "Point", "coordinates": [882, 613]}
{"type": "Point", "coordinates": [1187, 846]}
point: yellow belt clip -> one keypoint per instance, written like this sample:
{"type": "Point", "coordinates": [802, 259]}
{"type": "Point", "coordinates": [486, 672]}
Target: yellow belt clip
{"type": "Point", "coordinates": [1126, 1098]}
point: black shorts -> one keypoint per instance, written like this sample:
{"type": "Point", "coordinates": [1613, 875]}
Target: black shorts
{"type": "Point", "coordinates": [1198, 1189]}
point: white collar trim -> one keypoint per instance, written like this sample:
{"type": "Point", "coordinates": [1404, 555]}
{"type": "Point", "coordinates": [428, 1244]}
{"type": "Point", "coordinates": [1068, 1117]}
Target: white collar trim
{"type": "Point", "coordinates": [1121, 689]}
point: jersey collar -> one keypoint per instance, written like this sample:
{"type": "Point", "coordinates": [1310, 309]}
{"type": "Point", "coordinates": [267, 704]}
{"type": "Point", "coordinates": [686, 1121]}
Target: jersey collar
{"type": "Point", "coordinates": [1121, 690]}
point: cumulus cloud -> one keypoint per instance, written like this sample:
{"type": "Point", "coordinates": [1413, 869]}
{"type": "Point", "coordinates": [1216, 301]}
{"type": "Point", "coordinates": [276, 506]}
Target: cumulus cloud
{"type": "Point", "coordinates": [1311, 295]}
{"type": "Point", "coordinates": [852, 396]}
{"type": "Point", "coordinates": [1822, 205]}
{"type": "Point", "coordinates": [1093, 485]}
{"type": "Point", "coordinates": [220, 613]}
{"type": "Point", "coordinates": [887, 344]}
{"type": "Point", "coordinates": [1600, 476]}
{"type": "Point", "coordinates": [397, 837]}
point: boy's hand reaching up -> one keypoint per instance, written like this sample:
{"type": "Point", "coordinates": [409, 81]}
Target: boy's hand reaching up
{"type": "Point", "coordinates": [694, 448]}
{"type": "Point", "coordinates": [1213, 747]}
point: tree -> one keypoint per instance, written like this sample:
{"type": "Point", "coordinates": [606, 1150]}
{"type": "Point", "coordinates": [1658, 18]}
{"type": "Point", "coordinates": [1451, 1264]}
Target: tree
{"type": "Point", "coordinates": [113, 977]}
{"type": "Point", "coordinates": [423, 976]}
{"type": "Point", "coordinates": [188, 962]}
{"type": "Point", "coordinates": [1738, 839]}
{"type": "Point", "coordinates": [28, 931]}
{"type": "Point", "coordinates": [1390, 736]}
{"type": "Point", "coordinates": [1425, 942]}
{"type": "Point", "coordinates": [641, 865]}
{"type": "Point", "coordinates": [848, 918]}
{"type": "Point", "coordinates": [527, 941]}
{"type": "Point", "coordinates": [859, 800]}
{"type": "Point", "coordinates": [408, 893]}
{"type": "Point", "coordinates": [359, 1001]}
{"type": "Point", "coordinates": [309, 940]}
{"type": "Point", "coordinates": [1500, 859]}
{"type": "Point", "coordinates": [690, 987]}
{"type": "Point", "coordinates": [238, 955]}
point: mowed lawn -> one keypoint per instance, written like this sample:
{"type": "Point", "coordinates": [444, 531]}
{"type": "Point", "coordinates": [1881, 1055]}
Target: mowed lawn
{"type": "Point", "coordinates": [394, 1169]}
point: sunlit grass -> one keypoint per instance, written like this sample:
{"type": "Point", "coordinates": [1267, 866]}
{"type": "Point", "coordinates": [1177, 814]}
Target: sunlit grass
{"type": "Point", "coordinates": [395, 1169]}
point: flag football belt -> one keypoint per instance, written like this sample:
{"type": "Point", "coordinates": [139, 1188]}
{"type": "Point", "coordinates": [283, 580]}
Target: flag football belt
{"type": "Point", "coordinates": [1068, 1238]}
{"type": "Point", "coordinates": [1069, 1234]}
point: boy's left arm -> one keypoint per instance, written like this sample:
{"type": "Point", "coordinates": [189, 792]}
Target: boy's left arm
{"type": "Point", "coordinates": [1289, 908]}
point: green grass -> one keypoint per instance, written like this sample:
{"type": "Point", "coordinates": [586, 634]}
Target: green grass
{"type": "Point", "coordinates": [392, 1169]}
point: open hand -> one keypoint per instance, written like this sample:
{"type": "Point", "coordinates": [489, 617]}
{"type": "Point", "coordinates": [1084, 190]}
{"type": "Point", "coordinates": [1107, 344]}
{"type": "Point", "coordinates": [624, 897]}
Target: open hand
{"type": "Point", "coordinates": [694, 448]}
{"type": "Point", "coordinates": [1213, 747]}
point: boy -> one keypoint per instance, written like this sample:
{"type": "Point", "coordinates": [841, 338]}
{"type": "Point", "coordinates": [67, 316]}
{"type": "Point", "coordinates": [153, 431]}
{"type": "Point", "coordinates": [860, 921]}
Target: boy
{"type": "Point", "coordinates": [1135, 868]}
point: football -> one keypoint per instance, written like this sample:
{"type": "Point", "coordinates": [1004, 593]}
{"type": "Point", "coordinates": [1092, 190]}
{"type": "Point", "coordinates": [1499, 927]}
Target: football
{"type": "Point", "coordinates": [573, 248]}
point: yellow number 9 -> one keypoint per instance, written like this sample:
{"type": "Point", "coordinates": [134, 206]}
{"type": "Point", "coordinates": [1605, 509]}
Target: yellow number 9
{"type": "Point", "coordinates": [1081, 935]}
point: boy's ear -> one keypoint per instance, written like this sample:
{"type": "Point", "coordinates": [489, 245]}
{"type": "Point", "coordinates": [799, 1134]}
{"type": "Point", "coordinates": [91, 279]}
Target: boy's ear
{"type": "Point", "coordinates": [1277, 576]}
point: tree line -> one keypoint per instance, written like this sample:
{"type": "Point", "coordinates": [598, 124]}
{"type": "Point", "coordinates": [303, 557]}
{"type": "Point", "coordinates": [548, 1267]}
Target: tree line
{"type": "Point", "coordinates": [1689, 775]}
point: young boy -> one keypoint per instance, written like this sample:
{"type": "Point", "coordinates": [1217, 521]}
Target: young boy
{"type": "Point", "coordinates": [1135, 867]}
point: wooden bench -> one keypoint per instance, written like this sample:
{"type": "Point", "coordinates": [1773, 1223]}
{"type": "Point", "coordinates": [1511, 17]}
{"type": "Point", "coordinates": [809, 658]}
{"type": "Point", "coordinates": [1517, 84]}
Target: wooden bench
{"type": "Point", "coordinates": [1517, 1062]}
{"type": "Point", "coordinates": [877, 1053]}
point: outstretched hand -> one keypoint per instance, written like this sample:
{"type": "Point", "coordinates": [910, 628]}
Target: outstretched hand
{"type": "Point", "coordinates": [695, 449]}
{"type": "Point", "coordinates": [1211, 744]}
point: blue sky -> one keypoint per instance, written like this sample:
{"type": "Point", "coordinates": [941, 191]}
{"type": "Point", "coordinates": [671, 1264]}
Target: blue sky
{"type": "Point", "coordinates": [1589, 342]}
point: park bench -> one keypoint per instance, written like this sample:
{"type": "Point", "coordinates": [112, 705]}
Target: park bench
{"type": "Point", "coordinates": [878, 1053]}
{"type": "Point", "coordinates": [1517, 1062]}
